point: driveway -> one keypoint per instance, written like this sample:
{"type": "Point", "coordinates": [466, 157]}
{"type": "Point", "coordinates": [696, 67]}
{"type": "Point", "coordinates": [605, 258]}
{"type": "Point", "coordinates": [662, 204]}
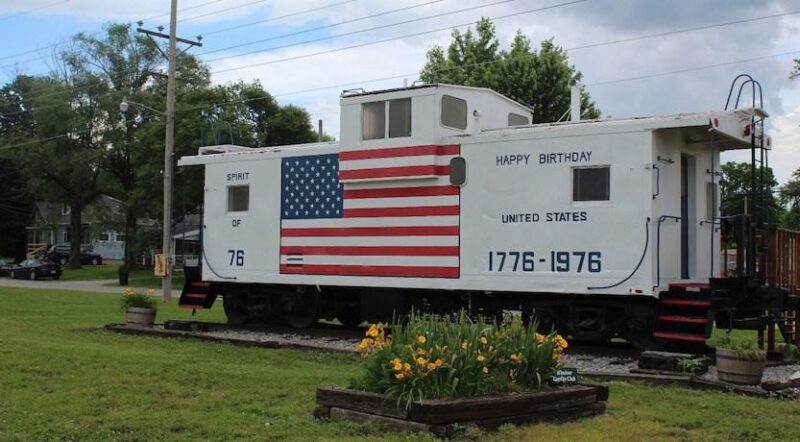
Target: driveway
{"type": "Point", "coordinates": [99, 285]}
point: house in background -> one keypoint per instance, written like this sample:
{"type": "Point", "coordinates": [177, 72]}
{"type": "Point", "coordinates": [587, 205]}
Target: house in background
{"type": "Point", "coordinates": [51, 225]}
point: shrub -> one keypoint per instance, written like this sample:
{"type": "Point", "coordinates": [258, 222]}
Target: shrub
{"type": "Point", "coordinates": [131, 298]}
{"type": "Point", "coordinates": [744, 349]}
{"type": "Point", "coordinates": [429, 357]}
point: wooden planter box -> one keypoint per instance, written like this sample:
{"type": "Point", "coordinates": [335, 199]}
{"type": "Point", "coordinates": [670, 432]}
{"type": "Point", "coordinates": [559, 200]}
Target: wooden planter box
{"type": "Point", "coordinates": [439, 416]}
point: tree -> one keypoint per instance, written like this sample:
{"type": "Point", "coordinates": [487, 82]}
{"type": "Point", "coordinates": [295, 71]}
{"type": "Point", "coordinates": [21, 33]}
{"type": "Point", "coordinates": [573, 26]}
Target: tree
{"type": "Point", "coordinates": [790, 197]}
{"type": "Point", "coordinates": [796, 72]}
{"type": "Point", "coordinates": [62, 161]}
{"type": "Point", "coordinates": [538, 78]}
{"type": "Point", "coordinates": [735, 185]}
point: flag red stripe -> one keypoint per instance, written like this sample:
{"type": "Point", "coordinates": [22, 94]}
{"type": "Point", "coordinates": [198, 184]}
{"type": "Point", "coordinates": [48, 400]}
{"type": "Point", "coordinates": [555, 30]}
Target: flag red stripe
{"type": "Point", "coordinates": [370, 231]}
{"type": "Point", "coordinates": [357, 270]}
{"type": "Point", "coordinates": [393, 172]}
{"type": "Point", "coordinates": [372, 250]}
{"type": "Point", "coordinates": [396, 192]}
{"type": "Point", "coordinates": [379, 212]}
{"type": "Point", "coordinates": [394, 152]}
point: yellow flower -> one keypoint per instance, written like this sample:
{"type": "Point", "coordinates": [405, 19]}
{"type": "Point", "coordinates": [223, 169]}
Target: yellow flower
{"type": "Point", "coordinates": [431, 366]}
{"type": "Point", "coordinates": [422, 339]}
{"type": "Point", "coordinates": [406, 367]}
{"type": "Point", "coordinates": [484, 341]}
{"type": "Point", "coordinates": [373, 331]}
{"type": "Point", "coordinates": [397, 365]}
{"type": "Point", "coordinates": [481, 358]}
{"type": "Point", "coordinates": [439, 363]}
{"type": "Point", "coordinates": [399, 376]}
{"type": "Point", "coordinates": [421, 351]}
{"type": "Point", "coordinates": [539, 338]}
{"type": "Point", "coordinates": [502, 360]}
{"type": "Point", "coordinates": [485, 370]}
{"type": "Point", "coordinates": [421, 361]}
{"type": "Point", "coordinates": [516, 358]}
{"type": "Point", "coordinates": [464, 345]}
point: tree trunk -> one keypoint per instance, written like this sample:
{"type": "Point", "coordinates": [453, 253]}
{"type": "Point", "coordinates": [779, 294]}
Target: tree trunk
{"type": "Point", "coordinates": [76, 235]}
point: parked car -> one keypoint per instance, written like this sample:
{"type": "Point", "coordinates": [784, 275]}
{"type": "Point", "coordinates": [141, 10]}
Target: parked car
{"type": "Point", "coordinates": [4, 267]}
{"type": "Point", "coordinates": [36, 268]}
{"type": "Point", "coordinates": [60, 254]}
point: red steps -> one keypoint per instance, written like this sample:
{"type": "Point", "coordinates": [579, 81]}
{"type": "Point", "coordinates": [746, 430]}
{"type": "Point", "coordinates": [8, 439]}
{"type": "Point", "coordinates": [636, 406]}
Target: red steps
{"type": "Point", "coordinates": [686, 319]}
{"type": "Point", "coordinates": [686, 302]}
{"type": "Point", "coordinates": [680, 336]}
{"type": "Point", "coordinates": [684, 313]}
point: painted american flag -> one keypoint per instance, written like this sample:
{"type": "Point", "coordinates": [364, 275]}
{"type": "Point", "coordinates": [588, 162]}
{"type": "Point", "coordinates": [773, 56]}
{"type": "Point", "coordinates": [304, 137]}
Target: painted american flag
{"type": "Point", "coordinates": [376, 212]}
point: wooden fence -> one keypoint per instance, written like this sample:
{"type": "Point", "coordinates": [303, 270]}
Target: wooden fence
{"type": "Point", "coordinates": [784, 269]}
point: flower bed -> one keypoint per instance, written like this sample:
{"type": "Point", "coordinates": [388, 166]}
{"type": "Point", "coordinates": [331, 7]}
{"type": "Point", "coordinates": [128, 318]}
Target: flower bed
{"type": "Point", "coordinates": [434, 372]}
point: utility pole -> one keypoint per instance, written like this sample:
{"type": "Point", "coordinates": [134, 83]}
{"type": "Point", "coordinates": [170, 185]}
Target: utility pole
{"type": "Point", "coordinates": [169, 141]}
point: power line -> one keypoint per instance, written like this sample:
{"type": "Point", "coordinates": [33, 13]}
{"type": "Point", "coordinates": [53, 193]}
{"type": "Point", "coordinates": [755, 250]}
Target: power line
{"type": "Point", "coordinates": [49, 5]}
{"type": "Point", "coordinates": [303, 91]}
{"type": "Point", "coordinates": [221, 11]}
{"type": "Point", "coordinates": [385, 40]}
{"type": "Point", "coordinates": [681, 31]}
{"type": "Point", "coordinates": [53, 45]}
{"type": "Point", "coordinates": [318, 28]}
{"type": "Point", "coordinates": [611, 42]}
{"type": "Point", "coordinates": [280, 17]}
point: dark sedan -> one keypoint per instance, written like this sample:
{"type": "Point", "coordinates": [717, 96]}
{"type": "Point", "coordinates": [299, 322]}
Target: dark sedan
{"type": "Point", "coordinates": [35, 268]}
{"type": "Point", "coordinates": [60, 254]}
{"type": "Point", "coordinates": [4, 267]}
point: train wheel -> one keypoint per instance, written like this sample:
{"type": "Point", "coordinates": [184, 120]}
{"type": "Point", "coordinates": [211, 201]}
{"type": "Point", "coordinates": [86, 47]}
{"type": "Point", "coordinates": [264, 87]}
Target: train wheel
{"type": "Point", "coordinates": [302, 309]}
{"type": "Point", "coordinates": [640, 332]}
{"type": "Point", "coordinates": [235, 308]}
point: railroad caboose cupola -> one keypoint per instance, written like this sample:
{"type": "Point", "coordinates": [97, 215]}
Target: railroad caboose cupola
{"type": "Point", "coordinates": [422, 115]}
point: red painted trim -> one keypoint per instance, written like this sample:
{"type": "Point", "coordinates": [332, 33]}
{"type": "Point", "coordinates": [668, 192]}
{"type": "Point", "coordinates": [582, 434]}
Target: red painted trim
{"type": "Point", "coordinates": [393, 172]}
{"type": "Point", "coordinates": [686, 319]}
{"type": "Point", "coordinates": [396, 152]}
{"type": "Point", "coordinates": [370, 231]}
{"type": "Point", "coordinates": [195, 296]}
{"type": "Point", "coordinates": [201, 284]}
{"type": "Point", "coordinates": [372, 250]}
{"type": "Point", "coordinates": [401, 211]}
{"type": "Point", "coordinates": [399, 192]}
{"type": "Point", "coordinates": [357, 270]}
{"type": "Point", "coordinates": [686, 302]}
{"type": "Point", "coordinates": [680, 336]}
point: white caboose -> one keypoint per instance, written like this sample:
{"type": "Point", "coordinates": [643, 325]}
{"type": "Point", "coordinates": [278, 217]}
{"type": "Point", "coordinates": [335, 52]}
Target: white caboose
{"type": "Point", "coordinates": [440, 197]}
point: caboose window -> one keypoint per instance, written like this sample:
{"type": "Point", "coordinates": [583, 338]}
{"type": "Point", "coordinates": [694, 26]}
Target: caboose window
{"type": "Point", "coordinates": [373, 120]}
{"type": "Point", "coordinates": [238, 198]}
{"type": "Point", "coordinates": [400, 118]}
{"type": "Point", "coordinates": [454, 112]}
{"type": "Point", "coordinates": [590, 183]}
{"type": "Point", "coordinates": [517, 119]}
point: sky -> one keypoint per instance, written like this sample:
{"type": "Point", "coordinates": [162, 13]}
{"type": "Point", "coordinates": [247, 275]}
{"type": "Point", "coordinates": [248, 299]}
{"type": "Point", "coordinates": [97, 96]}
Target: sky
{"type": "Point", "coordinates": [638, 57]}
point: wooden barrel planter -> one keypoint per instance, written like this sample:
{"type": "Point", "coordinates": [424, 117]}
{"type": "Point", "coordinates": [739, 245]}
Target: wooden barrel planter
{"type": "Point", "coordinates": [443, 417]}
{"type": "Point", "coordinates": [140, 316]}
{"type": "Point", "coordinates": [732, 368]}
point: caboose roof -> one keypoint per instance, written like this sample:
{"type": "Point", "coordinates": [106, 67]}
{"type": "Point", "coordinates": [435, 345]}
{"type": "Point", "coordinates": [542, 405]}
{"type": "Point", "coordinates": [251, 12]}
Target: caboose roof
{"type": "Point", "coordinates": [697, 127]}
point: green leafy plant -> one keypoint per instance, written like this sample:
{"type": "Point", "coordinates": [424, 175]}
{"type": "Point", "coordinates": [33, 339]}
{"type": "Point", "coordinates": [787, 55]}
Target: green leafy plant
{"type": "Point", "coordinates": [430, 357]}
{"type": "Point", "coordinates": [744, 349]}
{"type": "Point", "coordinates": [136, 299]}
{"type": "Point", "coordinates": [790, 352]}
{"type": "Point", "coordinates": [689, 365]}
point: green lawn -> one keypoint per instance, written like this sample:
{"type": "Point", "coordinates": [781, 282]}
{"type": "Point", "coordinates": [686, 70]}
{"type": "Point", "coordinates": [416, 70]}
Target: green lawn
{"type": "Point", "coordinates": [137, 278]}
{"type": "Point", "coordinates": [64, 378]}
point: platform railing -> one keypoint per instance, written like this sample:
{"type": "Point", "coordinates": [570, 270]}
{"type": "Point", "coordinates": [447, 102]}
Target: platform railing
{"type": "Point", "coordinates": [784, 270]}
